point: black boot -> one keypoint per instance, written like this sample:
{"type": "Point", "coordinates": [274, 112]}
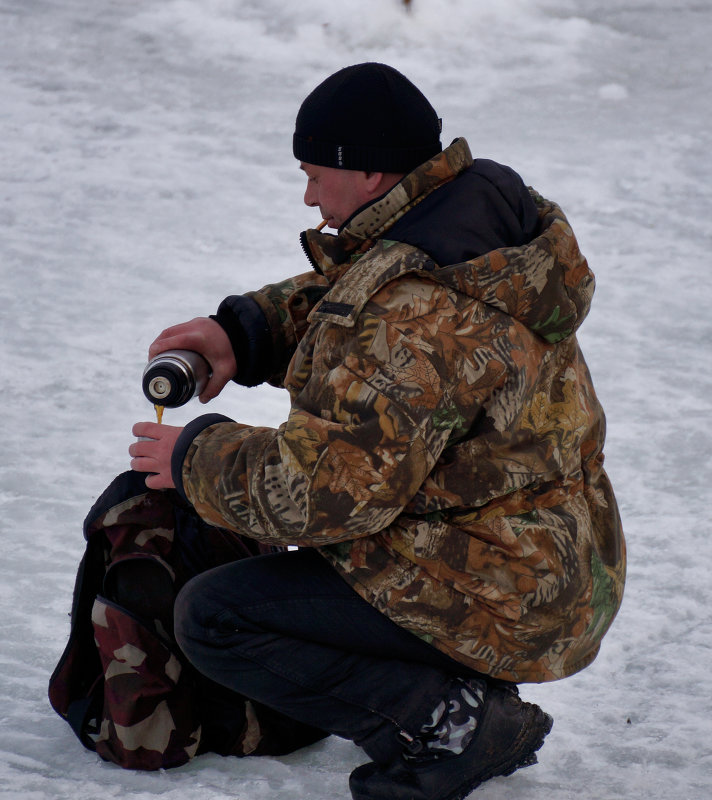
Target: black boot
{"type": "Point", "coordinates": [477, 733]}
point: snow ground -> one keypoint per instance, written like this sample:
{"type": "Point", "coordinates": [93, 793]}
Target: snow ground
{"type": "Point", "coordinates": [146, 172]}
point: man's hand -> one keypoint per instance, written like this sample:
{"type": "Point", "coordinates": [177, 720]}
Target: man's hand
{"type": "Point", "coordinates": [204, 336]}
{"type": "Point", "coordinates": [154, 453]}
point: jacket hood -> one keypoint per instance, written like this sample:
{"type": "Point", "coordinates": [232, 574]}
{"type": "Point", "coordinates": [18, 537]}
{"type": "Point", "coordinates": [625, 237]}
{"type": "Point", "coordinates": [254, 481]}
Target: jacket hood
{"type": "Point", "coordinates": [524, 261]}
{"type": "Point", "coordinates": [545, 284]}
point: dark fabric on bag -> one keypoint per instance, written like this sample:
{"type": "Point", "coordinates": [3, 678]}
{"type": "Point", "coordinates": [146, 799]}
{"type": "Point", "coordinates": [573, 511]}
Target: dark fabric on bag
{"type": "Point", "coordinates": [122, 683]}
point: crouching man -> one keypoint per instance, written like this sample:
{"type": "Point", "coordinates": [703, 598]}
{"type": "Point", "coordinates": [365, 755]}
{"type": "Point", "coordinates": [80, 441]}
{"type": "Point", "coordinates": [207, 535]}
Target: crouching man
{"type": "Point", "coordinates": [440, 470]}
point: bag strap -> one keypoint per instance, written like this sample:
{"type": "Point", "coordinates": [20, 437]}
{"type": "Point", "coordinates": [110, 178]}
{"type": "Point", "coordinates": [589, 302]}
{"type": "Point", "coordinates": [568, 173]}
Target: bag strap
{"type": "Point", "coordinates": [83, 716]}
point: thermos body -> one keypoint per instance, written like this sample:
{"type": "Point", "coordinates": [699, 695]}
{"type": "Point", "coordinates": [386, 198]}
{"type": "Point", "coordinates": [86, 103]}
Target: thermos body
{"type": "Point", "coordinates": [174, 377]}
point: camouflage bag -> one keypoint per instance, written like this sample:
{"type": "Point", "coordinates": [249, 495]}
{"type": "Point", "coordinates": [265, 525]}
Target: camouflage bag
{"type": "Point", "coordinates": [122, 683]}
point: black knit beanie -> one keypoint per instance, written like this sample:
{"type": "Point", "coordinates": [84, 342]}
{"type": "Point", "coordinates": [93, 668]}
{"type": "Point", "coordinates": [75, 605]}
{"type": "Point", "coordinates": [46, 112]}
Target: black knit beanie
{"type": "Point", "coordinates": [367, 117]}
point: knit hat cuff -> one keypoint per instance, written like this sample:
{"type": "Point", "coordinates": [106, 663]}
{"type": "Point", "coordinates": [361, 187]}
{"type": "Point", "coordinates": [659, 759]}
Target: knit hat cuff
{"type": "Point", "coordinates": [361, 157]}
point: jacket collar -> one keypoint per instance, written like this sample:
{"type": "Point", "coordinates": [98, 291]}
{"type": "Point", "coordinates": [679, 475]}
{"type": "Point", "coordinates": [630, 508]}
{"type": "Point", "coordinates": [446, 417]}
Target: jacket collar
{"type": "Point", "coordinates": [331, 254]}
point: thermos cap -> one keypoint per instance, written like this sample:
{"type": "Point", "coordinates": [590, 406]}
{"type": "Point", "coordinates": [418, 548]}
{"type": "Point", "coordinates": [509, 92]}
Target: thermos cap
{"type": "Point", "coordinates": [172, 378]}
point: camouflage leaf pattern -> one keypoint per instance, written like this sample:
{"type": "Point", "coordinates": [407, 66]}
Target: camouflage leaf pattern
{"type": "Point", "coordinates": [286, 307]}
{"type": "Point", "coordinates": [444, 444]}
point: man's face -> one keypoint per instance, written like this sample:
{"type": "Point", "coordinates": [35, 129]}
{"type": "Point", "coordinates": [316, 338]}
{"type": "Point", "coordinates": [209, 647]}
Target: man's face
{"type": "Point", "coordinates": [337, 192]}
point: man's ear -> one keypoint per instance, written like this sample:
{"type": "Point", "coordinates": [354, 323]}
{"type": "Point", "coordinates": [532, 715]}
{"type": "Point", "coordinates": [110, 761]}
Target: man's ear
{"type": "Point", "coordinates": [378, 183]}
{"type": "Point", "coordinates": [373, 183]}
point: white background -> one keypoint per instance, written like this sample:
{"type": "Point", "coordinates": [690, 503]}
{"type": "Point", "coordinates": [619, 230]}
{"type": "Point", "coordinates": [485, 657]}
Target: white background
{"type": "Point", "coordinates": [146, 172]}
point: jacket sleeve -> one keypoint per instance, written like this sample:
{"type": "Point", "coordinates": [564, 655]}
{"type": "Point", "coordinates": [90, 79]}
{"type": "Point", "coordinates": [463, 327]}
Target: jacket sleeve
{"type": "Point", "coordinates": [265, 326]}
{"type": "Point", "coordinates": [246, 326]}
{"type": "Point", "coordinates": [362, 435]}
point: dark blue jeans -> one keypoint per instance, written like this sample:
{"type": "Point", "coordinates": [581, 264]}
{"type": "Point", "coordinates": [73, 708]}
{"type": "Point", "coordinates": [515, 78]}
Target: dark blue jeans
{"type": "Point", "coordinates": [288, 631]}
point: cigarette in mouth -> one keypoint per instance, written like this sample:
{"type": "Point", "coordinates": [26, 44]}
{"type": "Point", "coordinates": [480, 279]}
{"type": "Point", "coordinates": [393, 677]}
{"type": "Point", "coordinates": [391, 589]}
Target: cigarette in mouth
{"type": "Point", "coordinates": [321, 224]}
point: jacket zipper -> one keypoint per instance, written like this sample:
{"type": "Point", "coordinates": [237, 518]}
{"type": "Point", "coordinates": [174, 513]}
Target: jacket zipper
{"type": "Point", "coordinates": [307, 252]}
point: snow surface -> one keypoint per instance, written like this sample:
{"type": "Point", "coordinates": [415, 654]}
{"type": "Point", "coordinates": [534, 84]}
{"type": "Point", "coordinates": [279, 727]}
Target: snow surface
{"type": "Point", "coordinates": [146, 172]}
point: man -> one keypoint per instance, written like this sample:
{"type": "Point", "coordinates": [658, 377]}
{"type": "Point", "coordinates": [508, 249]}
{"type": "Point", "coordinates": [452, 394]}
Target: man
{"type": "Point", "coordinates": [440, 468]}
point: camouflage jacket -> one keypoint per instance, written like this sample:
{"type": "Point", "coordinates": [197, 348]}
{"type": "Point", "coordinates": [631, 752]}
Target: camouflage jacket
{"type": "Point", "coordinates": [443, 448]}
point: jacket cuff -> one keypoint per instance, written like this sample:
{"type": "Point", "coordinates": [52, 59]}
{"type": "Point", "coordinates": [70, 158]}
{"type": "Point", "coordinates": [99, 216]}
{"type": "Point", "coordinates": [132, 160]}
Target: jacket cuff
{"type": "Point", "coordinates": [183, 443]}
{"type": "Point", "coordinates": [250, 337]}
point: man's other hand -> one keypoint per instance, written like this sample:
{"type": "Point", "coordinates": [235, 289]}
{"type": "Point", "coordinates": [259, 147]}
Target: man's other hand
{"type": "Point", "coordinates": [153, 452]}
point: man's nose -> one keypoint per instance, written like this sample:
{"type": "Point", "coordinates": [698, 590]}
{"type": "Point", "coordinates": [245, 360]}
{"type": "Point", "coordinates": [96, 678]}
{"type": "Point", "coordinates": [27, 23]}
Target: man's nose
{"type": "Point", "coordinates": [310, 196]}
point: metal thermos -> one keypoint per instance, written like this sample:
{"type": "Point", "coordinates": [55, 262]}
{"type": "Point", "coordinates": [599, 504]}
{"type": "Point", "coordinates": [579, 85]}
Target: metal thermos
{"type": "Point", "coordinates": [172, 378]}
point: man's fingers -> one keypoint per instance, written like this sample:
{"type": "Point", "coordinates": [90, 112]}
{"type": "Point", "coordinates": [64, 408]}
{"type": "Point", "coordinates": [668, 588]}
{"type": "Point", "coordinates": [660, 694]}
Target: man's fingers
{"type": "Point", "coordinates": [161, 345]}
{"type": "Point", "coordinates": [144, 456]}
{"type": "Point", "coordinates": [150, 481]}
{"type": "Point", "coordinates": [144, 464]}
{"type": "Point", "coordinates": [157, 482]}
{"type": "Point", "coordinates": [191, 335]}
{"type": "Point", "coordinates": [207, 337]}
{"type": "Point", "coordinates": [142, 448]}
{"type": "Point", "coordinates": [151, 430]}
{"type": "Point", "coordinates": [154, 452]}
{"type": "Point", "coordinates": [213, 388]}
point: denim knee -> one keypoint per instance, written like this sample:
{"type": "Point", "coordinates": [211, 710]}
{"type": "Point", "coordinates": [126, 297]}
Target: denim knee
{"type": "Point", "coordinates": [188, 615]}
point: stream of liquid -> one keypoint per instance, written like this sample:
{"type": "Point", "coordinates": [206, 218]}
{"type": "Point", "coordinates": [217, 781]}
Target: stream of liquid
{"type": "Point", "coordinates": [159, 413]}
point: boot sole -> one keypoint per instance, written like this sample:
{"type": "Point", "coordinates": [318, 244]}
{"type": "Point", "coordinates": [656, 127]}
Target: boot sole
{"type": "Point", "coordinates": [520, 753]}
